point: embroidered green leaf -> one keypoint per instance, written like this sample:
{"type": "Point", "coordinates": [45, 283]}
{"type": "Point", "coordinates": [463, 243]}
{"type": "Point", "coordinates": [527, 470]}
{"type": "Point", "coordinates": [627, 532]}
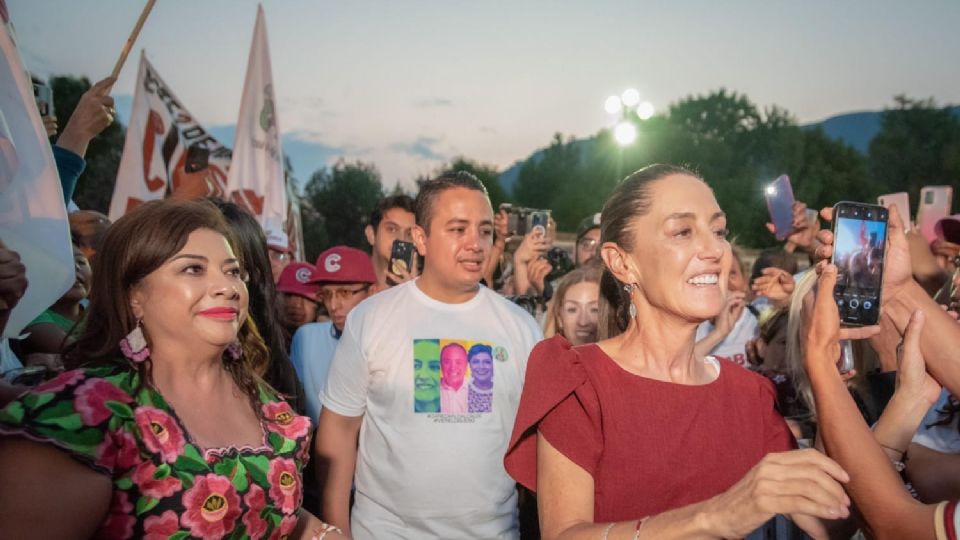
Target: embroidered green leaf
{"type": "Point", "coordinates": [70, 422]}
{"type": "Point", "coordinates": [239, 477]}
{"type": "Point", "coordinates": [58, 410]}
{"type": "Point", "coordinates": [124, 483]}
{"type": "Point", "coordinates": [120, 409]}
{"type": "Point", "coordinates": [12, 414]}
{"type": "Point", "coordinates": [35, 401]}
{"type": "Point", "coordinates": [288, 446]}
{"type": "Point", "coordinates": [257, 466]}
{"type": "Point", "coordinates": [185, 478]}
{"type": "Point", "coordinates": [192, 452]}
{"type": "Point", "coordinates": [189, 464]}
{"type": "Point", "coordinates": [239, 532]}
{"type": "Point", "coordinates": [179, 535]}
{"type": "Point", "coordinates": [275, 440]}
{"type": "Point", "coordinates": [144, 504]}
{"type": "Point", "coordinates": [224, 468]}
{"type": "Point", "coordinates": [162, 471]}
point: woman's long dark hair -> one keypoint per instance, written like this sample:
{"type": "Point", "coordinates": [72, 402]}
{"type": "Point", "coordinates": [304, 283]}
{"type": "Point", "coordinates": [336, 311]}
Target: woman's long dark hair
{"type": "Point", "coordinates": [630, 199]}
{"type": "Point", "coordinates": [136, 245]}
{"type": "Point", "coordinates": [251, 248]}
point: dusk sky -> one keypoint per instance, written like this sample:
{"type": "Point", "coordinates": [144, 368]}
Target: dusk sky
{"type": "Point", "coordinates": [408, 85]}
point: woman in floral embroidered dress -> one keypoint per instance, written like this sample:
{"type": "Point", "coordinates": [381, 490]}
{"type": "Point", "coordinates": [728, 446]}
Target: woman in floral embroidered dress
{"type": "Point", "coordinates": [167, 430]}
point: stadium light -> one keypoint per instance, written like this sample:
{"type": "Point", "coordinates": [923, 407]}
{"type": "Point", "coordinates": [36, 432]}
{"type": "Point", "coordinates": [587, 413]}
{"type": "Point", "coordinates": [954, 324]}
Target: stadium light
{"type": "Point", "coordinates": [625, 133]}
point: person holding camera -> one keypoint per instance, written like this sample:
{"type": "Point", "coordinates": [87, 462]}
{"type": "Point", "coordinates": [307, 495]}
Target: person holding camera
{"type": "Point", "coordinates": [421, 471]}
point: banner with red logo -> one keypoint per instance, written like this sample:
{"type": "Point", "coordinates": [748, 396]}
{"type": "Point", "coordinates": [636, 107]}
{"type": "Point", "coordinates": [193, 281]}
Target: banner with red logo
{"type": "Point", "coordinates": [166, 152]}
{"type": "Point", "coordinates": [256, 177]}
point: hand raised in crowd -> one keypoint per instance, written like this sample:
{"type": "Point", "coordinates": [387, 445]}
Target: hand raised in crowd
{"type": "Point", "coordinates": [774, 283]}
{"type": "Point", "coordinates": [945, 253]}
{"type": "Point", "coordinates": [537, 271]}
{"type": "Point", "coordinates": [93, 114]}
{"type": "Point", "coordinates": [897, 270]}
{"type": "Point", "coordinates": [13, 278]}
{"type": "Point", "coordinates": [730, 313]}
{"type": "Point", "coordinates": [535, 244]}
{"type": "Point", "coordinates": [397, 274]}
{"type": "Point", "coordinates": [49, 125]}
{"type": "Point", "coordinates": [501, 226]}
{"type": "Point", "coordinates": [803, 484]}
{"type": "Point", "coordinates": [822, 321]}
{"type": "Point", "coordinates": [804, 230]}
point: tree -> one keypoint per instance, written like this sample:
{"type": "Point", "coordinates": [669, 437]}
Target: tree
{"type": "Point", "coordinates": [487, 174]}
{"type": "Point", "coordinates": [918, 144]}
{"type": "Point", "coordinates": [543, 180]}
{"type": "Point", "coordinates": [95, 185]}
{"type": "Point", "coordinates": [336, 205]}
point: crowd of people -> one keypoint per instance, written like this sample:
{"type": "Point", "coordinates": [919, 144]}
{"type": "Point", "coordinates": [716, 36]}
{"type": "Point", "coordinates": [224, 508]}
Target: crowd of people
{"type": "Point", "coordinates": [196, 382]}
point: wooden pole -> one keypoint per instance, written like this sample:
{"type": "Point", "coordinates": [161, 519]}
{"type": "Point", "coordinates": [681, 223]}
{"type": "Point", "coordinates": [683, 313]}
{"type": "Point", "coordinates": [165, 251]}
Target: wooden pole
{"type": "Point", "coordinates": [133, 38]}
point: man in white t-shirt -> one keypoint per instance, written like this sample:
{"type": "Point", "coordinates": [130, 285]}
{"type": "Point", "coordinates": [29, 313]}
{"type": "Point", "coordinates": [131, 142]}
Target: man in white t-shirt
{"type": "Point", "coordinates": [421, 471]}
{"type": "Point", "coordinates": [345, 277]}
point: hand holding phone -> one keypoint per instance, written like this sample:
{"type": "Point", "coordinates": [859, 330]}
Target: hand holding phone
{"type": "Point", "coordinates": [935, 202]}
{"type": "Point", "coordinates": [860, 237]}
{"type": "Point", "coordinates": [402, 265]}
{"type": "Point", "coordinates": [902, 201]}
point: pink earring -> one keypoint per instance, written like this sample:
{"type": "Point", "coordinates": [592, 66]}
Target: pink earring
{"type": "Point", "coordinates": [134, 345]}
{"type": "Point", "coordinates": [234, 351]}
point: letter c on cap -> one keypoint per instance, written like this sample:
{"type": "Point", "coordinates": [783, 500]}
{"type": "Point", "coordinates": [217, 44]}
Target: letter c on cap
{"type": "Point", "coordinates": [332, 262]}
{"type": "Point", "coordinates": [303, 275]}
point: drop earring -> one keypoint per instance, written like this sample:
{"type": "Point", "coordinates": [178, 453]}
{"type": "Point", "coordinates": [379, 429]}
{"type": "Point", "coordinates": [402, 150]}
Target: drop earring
{"type": "Point", "coordinates": [134, 345]}
{"type": "Point", "coordinates": [632, 310]}
{"type": "Point", "coordinates": [234, 351]}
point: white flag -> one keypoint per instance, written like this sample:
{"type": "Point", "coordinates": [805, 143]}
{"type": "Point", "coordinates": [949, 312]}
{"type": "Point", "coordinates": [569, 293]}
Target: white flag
{"type": "Point", "coordinates": [166, 152]}
{"type": "Point", "coordinates": [33, 216]}
{"type": "Point", "coordinates": [256, 174]}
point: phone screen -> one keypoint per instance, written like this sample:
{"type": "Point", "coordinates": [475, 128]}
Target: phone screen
{"type": "Point", "coordinates": [779, 196]}
{"type": "Point", "coordinates": [860, 236]}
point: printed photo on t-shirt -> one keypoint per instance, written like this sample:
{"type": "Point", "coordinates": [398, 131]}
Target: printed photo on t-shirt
{"type": "Point", "coordinates": [452, 376]}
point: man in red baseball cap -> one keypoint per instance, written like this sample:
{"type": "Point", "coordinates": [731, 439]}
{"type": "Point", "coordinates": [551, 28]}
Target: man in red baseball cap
{"type": "Point", "coordinates": [298, 297]}
{"type": "Point", "coordinates": [344, 277]}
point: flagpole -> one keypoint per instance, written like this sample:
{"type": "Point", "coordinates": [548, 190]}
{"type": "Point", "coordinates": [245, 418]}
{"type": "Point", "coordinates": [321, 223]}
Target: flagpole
{"type": "Point", "coordinates": [133, 38]}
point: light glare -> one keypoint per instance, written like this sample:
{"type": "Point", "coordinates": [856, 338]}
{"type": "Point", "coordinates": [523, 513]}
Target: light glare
{"type": "Point", "coordinates": [645, 110]}
{"type": "Point", "coordinates": [612, 105]}
{"type": "Point", "coordinates": [630, 97]}
{"type": "Point", "coordinates": [625, 133]}
{"type": "Point", "coordinates": [771, 190]}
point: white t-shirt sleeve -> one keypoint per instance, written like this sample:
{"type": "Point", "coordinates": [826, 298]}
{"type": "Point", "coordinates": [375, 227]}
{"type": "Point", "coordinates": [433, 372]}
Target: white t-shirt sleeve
{"type": "Point", "coordinates": [346, 390]}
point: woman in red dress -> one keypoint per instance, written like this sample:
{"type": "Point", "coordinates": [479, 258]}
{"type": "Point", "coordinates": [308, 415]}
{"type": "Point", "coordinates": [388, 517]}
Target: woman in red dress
{"type": "Point", "coordinates": [636, 436]}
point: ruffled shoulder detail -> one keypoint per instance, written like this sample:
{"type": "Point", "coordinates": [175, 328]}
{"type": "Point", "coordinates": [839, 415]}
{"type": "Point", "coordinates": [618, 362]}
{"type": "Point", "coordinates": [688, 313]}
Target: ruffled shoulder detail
{"type": "Point", "coordinates": [555, 370]}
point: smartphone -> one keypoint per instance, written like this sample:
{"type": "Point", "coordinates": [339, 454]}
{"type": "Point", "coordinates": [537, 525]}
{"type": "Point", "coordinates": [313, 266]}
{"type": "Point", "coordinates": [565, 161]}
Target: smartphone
{"type": "Point", "coordinates": [845, 363]}
{"type": "Point", "coordinates": [43, 94]}
{"type": "Point", "coordinates": [538, 218]}
{"type": "Point", "coordinates": [401, 257]}
{"type": "Point", "coordinates": [779, 195]}
{"type": "Point", "coordinates": [902, 201]}
{"type": "Point", "coordinates": [935, 202]}
{"type": "Point", "coordinates": [859, 242]}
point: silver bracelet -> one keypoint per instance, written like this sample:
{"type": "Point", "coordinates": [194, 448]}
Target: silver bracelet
{"type": "Point", "coordinates": [321, 532]}
{"type": "Point", "coordinates": [606, 531]}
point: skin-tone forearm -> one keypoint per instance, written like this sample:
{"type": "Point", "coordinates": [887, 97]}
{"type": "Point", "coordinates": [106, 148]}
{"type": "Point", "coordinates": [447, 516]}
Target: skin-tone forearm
{"type": "Point", "coordinates": [935, 475]}
{"type": "Point", "coordinates": [896, 426]}
{"type": "Point", "coordinates": [493, 260]}
{"type": "Point", "coordinates": [336, 451]}
{"type": "Point", "coordinates": [707, 344]}
{"type": "Point", "coordinates": [874, 486]}
{"type": "Point", "coordinates": [941, 333]}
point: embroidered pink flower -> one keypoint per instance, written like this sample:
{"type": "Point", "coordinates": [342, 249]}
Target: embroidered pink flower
{"type": "Point", "coordinates": [160, 432]}
{"type": "Point", "coordinates": [256, 500]}
{"type": "Point", "coordinates": [287, 525]}
{"type": "Point", "coordinates": [212, 506]}
{"type": "Point", "coordinates": [161, 527]}
{"type": "Point", "coordinates": [92, 397]}
{"type": "Point", "coordinates": [61, 381]}
{"type": "Point", "coordinates": [118, 451]}
{"type": "Point", "coordinates": [152, 487]}
{"type": "Point", "coordinates": [119, 522]}
{"type": "Point", "coordinates": [281, 419]}
{"type": "Point", "coordinates": [285, 485]}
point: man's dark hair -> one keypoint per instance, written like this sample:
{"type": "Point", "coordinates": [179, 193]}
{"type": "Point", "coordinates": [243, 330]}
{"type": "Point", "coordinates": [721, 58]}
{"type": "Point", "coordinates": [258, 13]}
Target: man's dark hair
{"type": "Point", "coordinates": [775, 257]}
{"type": "Point", "coordinates": [403, 202]}
{"type": "Point", "coordinates": [431, 189]}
